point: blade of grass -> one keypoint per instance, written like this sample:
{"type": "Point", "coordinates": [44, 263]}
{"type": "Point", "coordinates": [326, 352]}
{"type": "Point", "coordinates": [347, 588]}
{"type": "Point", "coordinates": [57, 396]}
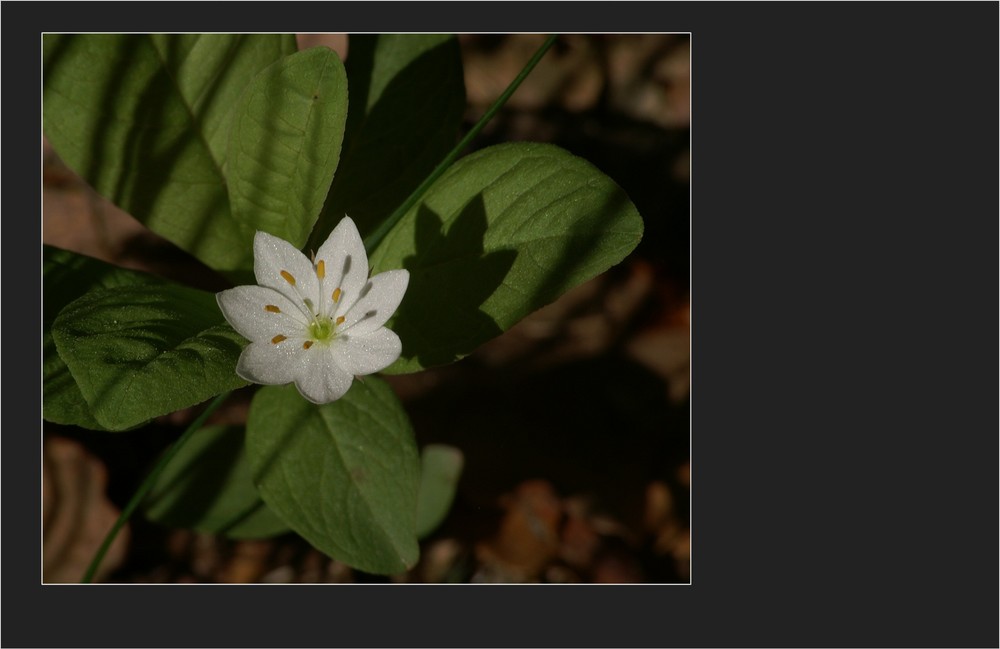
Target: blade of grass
{"type": "Point", "coordinates": [146, 485]}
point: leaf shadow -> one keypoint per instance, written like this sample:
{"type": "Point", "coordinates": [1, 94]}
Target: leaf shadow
{"type": "Point", "coordinates": [440, 319]}
{"type": "Point", "coordinates": [154, 156]}
{"type": "Point", "coordinates": [388, 147]}
{"type": "Point", "coordinates": [129, 168]}
{"type": "Point", "coordinates": [207, 476]}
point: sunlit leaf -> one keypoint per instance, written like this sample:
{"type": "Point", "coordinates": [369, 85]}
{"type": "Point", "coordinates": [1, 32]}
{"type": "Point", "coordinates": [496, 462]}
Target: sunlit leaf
{"type": "Point", "coordinates": [145, 119]}
{"type": "Point", "coordinates": [207, 486]}
{"type": "Point", "coordinates": [285, 144]}
{"type": "Point", "coordinates": [343, 475]}
{"type": "Point", "coordinates": [65, 277]}
{"type": "Point", "coordinates": [144, 351]}
{"type": "Point", "coordinates": [504, 232]}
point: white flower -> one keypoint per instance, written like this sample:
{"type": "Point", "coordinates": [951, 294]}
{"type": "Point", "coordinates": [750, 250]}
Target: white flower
{"type": "Point", "coordinates": [317, 324]}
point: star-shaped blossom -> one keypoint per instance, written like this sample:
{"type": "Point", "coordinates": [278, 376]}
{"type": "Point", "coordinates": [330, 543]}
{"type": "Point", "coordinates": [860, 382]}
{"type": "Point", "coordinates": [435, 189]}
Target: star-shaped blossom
{"type": "Point", "coordinates": [316, 323]}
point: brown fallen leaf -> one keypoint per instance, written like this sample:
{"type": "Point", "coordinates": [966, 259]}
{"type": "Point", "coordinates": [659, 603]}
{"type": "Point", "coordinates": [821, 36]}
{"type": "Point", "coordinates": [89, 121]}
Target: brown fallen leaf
{"type": "Point", "coordinates": [248, 563]}
{"type": "Point", "coordinates": [528, 538]}
{"type": "Point", "coordinates": [616, 568]}
{"type": "Point", "coordinates": [579, 540]}
{"type": "Point", "coordinates": [76, 513]}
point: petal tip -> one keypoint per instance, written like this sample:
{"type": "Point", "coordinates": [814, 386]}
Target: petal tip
{"type": "Point", "coordinates": [262, 236]}
{"type": "Point", "coordinates": [347, 222]}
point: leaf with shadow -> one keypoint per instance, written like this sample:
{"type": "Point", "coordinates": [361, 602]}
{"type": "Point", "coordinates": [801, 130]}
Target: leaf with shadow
{"type": "Point", "coordinates": [439, 320]}
{"type": "Point", "coordinates": [145, 118]}
{"type": "Point", "coordinates": [502, 233]}
{"type": "Point", "coordinates": [407, 100]}
{"type": "Point", "coordinates": [208, 487]}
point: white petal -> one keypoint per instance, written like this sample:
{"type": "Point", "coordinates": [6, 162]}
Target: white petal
{"type": "Point", "coordinates": [246, 309]}
{"type": "Point", "coordinates": [346, 263]}
{"type": "Point", "coordinates": [271, 256]}
{"type": "Point", "coordinates": [272, 364]}
{"type": "Point", "coordinates": [379, 300]}
{"type": "Point", "coordinates": [368, 353]}
{"type": "Point", "coordinates": [321, 379]}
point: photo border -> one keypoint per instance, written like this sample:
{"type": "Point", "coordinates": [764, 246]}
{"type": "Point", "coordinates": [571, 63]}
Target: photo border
{"type": "Point", "coordinates": [843, 181]}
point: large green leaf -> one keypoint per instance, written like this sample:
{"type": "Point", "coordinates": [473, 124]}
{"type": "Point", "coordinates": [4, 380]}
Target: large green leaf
{"type": "Point", "coordinates": [504, 232]}
{"type": "Point", "coordinates": [440, 468]}
{"type": "Point", "coordinates": [407, 101]}
{"type": "Point", "coordinates": [138, 352]}
{"type": "Point", "coordinates": [344, 475]}
{"type": "Point", "coordinates": [285, 144]}
{"type": "Point", "coordinates": [208, 487]}
{"type": "Point", "coordinates": [65, 277]}
{"type": "Point", "coordinates": [145, 119]}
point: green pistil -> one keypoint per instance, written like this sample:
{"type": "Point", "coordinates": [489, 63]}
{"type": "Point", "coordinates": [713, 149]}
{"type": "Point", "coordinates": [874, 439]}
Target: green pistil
{"type": "Point", "coordinates": [321, 329]}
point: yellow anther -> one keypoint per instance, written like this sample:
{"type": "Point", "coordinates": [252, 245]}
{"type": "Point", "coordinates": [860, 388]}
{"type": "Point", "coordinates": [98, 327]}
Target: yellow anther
{"type": "Point", "coordinates": [340, 320]}
{"type": "Point", "coordinates": [277, 339]}
{"type": "Point", "coordinates": [321, 269]}
{"type": "Point", "coordinates": [272, 308]}
{"type": "Point", "coordinates": [336, 295]}
{"type": "Point", "coordinates": [288, 277]}
{"type": "Point", "coordinates": [307, 344]}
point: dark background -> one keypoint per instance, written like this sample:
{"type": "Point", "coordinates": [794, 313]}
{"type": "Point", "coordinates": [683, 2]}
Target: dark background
{"type": "Point", "coordinates": [843, 193]}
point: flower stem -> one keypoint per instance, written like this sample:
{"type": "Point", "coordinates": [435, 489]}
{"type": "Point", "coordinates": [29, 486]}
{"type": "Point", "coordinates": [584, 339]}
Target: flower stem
{"type": "Point", "coordinates": [146, 485]}
{"type": "Point", "coordinates": [376, 237]}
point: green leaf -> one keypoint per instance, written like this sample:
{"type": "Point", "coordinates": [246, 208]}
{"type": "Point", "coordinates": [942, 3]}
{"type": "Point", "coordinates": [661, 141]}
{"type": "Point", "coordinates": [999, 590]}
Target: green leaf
{"type": "Point", "coordinates": [504, 232]}
{"type": "Point", "coordinates": [144, 351]}
{"type": "Point", "coordinates": [344, 475]}
{"type": "Point", "coordinates": [145, 119]}
{"type": "Point", "coordinates": [208, 487]}
{"type": "Point", "coordinates": [285, 144]}
{"type": "Point", "coordinates": [441, 466]}
{"type": "Point", "coordinates": [407, 102]}
{"type": "Point", "coordinates": [65, 277]}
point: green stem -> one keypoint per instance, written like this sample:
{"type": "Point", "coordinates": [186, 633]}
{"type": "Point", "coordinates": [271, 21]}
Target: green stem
{"type": "Point", "coordinates": [375, 238]}
{"type": "Point", "coordinates": [146, 485]}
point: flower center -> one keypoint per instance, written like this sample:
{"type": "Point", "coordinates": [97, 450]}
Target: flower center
{"type": "Point", "coordinates": [322, 329]}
